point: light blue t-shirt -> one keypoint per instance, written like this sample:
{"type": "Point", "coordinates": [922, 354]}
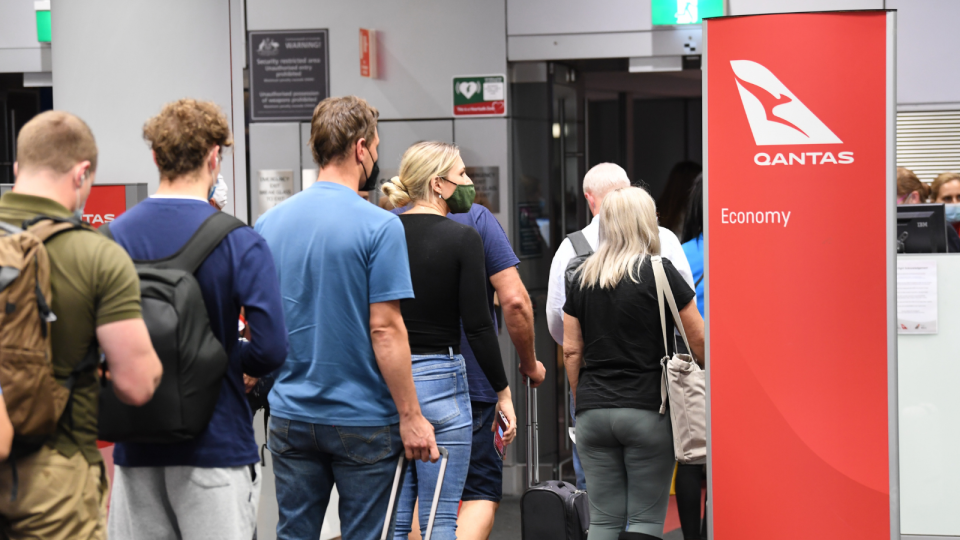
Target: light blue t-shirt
{"type": "Point", "coordinates": [335, 255]}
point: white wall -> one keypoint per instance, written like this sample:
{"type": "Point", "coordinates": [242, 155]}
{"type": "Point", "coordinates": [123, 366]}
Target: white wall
{"type": "Point", "coordinates": [927, 52]}
{"type": "Point", "coordinates": [19, 49]}
{"type": "Point", "coordinates": [116, 63]}
{"type": "Point", "coordinates": [525, 17]}
{"type": "Point", "coordinates": [751, 7]}
{"type": "Point", "coordinates": [423, 45]}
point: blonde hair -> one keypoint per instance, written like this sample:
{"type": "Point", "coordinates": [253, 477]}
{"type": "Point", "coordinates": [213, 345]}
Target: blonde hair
{"type": "Point", "coordinates": [628, 233]}
{"type": "Point", "coordinates": [420, 163]}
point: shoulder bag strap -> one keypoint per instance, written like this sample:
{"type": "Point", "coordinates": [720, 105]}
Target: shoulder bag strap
{"type": "Point", "coordinates": [656, 263]}
{"type": "Point", "coordinates": [663, 285]}
{"type": "Point", "coordinates": [580, 244]}
{"type": "Point", "coordinates": [201, 244]}
{"type": "Point", "coordinates": [664, 290]}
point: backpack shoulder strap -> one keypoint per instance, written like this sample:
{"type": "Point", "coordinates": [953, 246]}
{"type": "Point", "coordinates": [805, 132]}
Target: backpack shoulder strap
{"type": "Point", "coordinates": [47, 227]}
{"type": "Point", "coordinates": [580, 244]}
{"type": "Point", "coordinates": [201, 244]}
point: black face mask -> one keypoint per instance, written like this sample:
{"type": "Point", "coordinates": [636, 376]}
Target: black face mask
{"type": "Point", "coordinates": [371, 182]}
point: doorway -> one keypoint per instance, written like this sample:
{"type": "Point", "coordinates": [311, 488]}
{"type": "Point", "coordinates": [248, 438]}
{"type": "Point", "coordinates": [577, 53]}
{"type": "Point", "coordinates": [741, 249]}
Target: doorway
{"type": "Point", "coordinates": [565, 118]}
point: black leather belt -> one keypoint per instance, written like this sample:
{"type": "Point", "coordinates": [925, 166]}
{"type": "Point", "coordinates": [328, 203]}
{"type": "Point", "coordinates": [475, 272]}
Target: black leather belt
{"type": "Point", "coordinates": [435, 352]}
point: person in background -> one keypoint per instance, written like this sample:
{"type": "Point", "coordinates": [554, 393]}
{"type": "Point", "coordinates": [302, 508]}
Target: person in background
{"type": "Point", "coordinates": [219, 198]}
{"type": "Point", "coordinates": [450, 285]}
{"type": "Point", "coordinates": [689, 477]}
{"type": "Point", "coordinates": [62, 488]}
{"type": "Point", "coordinates": [612, 349]}
{"type": "Point", "coordinates": [209, 486]}
{"type": "Point", "coordinates": [484, 486]}
{"type": "Point", "coordinates": [600, 180]}
{"type": "Point", "coordinates": [672, 203]}
{"type": "Point", "coordinates": [910, 190]}
{"type": "Point", "coordinates": [344, 405]}
{"type": "Point", "coordinates": [946, 190]}
{"type": "Point", "coordinates": [692, 238]}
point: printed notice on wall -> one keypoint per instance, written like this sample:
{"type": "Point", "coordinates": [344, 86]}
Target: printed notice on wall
{"type": "Point", "coordinates": [289, 73]}
{"type": "Point", "coordinates": [273, 187]}
{"type": "Point", "coordinates": [916, 296]}
{"type": "Point", "coordinates": [486, 181]}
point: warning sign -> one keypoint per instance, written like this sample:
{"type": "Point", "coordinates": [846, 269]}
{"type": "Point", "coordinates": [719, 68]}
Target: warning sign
{"type": "Point", "coordinates": [482, 95]}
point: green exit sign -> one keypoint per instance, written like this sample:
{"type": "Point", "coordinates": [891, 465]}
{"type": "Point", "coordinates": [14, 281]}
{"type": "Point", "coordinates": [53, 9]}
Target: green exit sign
{"type": "Point", "coordinates": [673, 12]}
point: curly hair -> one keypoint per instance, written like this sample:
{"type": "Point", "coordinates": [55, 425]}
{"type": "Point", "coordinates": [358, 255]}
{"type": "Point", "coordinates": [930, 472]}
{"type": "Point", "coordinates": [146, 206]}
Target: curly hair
{"type": "Point", "coordinates": [183, 133]}
{"type": "Point", "coordinates": [338, 123]}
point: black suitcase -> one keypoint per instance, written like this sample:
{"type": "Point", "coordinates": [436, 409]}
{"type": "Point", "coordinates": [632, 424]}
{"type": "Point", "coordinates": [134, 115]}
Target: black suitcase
{"type": "Point", "coordinates": [552, 510]}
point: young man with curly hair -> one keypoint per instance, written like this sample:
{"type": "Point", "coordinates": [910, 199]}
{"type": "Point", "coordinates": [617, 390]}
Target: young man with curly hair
{"type": "Point", "coordinates": [209, 486]}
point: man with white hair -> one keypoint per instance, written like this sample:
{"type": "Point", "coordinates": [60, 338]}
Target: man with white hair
{"type": "Point", "coordinates": [599, 180]}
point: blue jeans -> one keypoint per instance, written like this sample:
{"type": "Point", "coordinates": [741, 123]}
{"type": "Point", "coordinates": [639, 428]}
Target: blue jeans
{"type": "Point", "coordinates": [445, 401]}
{"type": "Point", "coordinates": [309, 458]}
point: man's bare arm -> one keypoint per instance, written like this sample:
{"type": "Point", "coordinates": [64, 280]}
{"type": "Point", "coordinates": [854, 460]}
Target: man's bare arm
{"type": "Point", "coordinates": [518, 317]}
{"type": "Point", "coordinates": [388, 335]}
{"type": "Point", "coordinates": [135, 369]}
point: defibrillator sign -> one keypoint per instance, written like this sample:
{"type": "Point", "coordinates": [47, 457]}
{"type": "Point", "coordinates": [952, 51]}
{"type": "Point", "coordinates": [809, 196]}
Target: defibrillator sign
{"type": "Point", "coordinates": [484, 95]}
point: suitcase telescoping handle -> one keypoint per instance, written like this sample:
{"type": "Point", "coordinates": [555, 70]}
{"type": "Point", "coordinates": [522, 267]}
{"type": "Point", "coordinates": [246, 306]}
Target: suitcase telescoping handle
{"type": "Point", "coordinates": [533, 438]}
{"type": "Point", "coordinates": [391, 507]}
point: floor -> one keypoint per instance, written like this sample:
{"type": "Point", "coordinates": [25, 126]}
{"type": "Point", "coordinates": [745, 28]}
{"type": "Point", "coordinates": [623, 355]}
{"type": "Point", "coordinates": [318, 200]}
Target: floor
{"type": "Point", "coordinates": [507, 525]}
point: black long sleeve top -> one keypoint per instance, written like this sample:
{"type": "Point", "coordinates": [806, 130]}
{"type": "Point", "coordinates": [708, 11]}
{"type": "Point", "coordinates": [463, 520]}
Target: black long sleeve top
{"type": "Point", "coordinates": [449, 285]}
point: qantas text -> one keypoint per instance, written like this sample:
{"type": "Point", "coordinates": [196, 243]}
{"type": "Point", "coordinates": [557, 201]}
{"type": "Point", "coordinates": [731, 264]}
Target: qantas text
{"type": "Point", "coordinates": [804, 158]}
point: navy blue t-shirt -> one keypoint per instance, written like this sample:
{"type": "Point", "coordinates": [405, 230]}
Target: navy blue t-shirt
{"type": "Point", "coordinates": [498, 256]}
{"type": "Point", "coordinates": [238, 273]}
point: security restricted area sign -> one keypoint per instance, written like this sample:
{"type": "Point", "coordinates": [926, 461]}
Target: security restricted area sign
{"type": "Point", "coordinates": [800, 187]}
{"type": "Point", "coordinates": [480, 96]}
{"type": "Point", "coordinates": [289, 73]}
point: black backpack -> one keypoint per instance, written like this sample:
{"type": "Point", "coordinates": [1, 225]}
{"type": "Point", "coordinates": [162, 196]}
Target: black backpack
{"type": "Point", "coordinates": [583, 250]}
{"type": "Point", "coordinates": [194, 362]}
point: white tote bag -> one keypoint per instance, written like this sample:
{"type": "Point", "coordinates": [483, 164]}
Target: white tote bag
{"type": "Point", "coordinates": [683, 382]}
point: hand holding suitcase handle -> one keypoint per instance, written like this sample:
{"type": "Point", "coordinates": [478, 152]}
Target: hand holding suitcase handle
{"type": "Point", "coordinates": [391, 507]}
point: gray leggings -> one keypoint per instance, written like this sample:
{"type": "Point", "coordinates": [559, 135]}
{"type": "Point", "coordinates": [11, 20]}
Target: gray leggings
{"type": "Point", "coordinates": [627, 457]}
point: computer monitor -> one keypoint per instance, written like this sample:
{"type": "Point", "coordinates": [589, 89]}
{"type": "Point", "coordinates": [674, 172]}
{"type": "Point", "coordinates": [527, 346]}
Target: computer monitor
{"type": "Point", "coordinates": [921, 228]}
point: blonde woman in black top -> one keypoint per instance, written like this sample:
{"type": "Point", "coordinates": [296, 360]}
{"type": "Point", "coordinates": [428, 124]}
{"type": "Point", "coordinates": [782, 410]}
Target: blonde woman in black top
{"type": "Point", "coordinates": [449, 287]}
{"type": "Point", "coordinates": [612, 347]}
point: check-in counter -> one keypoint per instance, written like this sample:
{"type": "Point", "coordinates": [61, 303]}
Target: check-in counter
{"type": "Point", "coordinates": [929, 404]}
{"type": "Point", "coordinates": [105, 202]}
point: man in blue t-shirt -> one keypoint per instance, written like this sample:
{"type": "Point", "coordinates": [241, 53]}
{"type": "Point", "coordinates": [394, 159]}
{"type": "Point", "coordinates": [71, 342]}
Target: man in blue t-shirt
{"type": "Point", "coordinates": [484, 487]}
{"type": "Point", "coordinates": [344, 405]}
{"type": "Point", "coordinates": [207, 487]}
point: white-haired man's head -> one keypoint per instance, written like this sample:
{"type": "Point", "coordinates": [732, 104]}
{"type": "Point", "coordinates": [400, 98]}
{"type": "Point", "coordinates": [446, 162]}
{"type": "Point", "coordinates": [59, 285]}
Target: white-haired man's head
{"type": "Point", "coordinates": [600, 180]}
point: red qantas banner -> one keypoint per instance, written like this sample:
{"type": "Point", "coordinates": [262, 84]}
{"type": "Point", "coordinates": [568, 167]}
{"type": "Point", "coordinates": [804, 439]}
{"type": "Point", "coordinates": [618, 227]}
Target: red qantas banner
{"type": "Point", "coordinates": [105, 204]}
{"type": "Point", "coordinates": [799, 264]}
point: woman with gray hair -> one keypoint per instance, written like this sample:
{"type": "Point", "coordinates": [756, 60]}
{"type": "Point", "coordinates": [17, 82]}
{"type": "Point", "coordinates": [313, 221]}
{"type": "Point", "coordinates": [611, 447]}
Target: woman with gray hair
{"type": "Point", "coordinates": [612, 347]}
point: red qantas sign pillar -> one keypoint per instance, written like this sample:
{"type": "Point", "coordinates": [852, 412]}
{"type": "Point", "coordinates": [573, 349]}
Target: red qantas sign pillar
{"type": "Point", "coordinates": [801, 341]}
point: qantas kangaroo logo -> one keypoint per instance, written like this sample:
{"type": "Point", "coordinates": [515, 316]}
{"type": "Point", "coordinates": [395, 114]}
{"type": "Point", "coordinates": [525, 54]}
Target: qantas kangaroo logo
{"type": "Point", "coordinates": [775, 115]}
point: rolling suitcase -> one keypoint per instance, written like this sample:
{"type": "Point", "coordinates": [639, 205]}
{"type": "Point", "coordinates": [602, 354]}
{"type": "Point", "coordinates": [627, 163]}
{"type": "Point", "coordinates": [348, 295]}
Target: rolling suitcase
{"type": "Point", "coordinates": [552, 510]}
{"type": "Point", "coordinates": [394, 494]}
